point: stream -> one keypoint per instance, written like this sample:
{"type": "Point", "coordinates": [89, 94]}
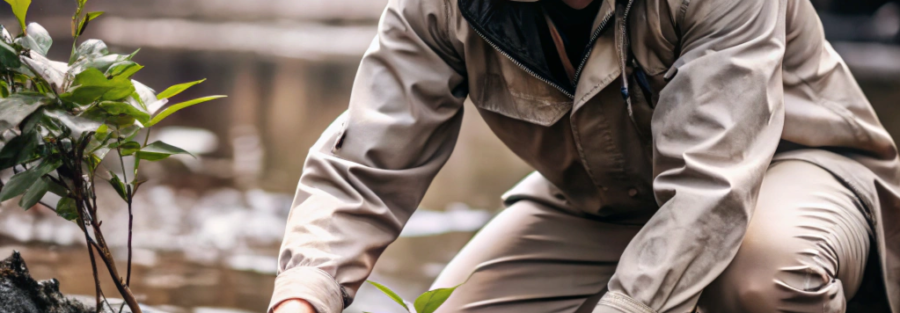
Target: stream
{"type": "Point", "coordinates": [215, 251]}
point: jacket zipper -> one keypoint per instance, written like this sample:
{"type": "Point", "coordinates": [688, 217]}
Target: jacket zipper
{"type": "Point", "coordinates": [594, 37]}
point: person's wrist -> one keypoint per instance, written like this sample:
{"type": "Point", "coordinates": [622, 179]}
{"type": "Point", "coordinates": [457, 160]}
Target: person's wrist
{"type": "Point", "coordinates": [294, 306]}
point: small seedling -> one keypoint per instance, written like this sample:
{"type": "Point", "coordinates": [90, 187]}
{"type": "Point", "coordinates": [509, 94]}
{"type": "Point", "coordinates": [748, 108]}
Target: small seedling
{"type": "Point", "coordinates": [427, 302]}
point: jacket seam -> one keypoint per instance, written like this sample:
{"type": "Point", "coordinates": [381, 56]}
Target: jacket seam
{"type": "Point", "coordinates": [841, 112]}
{"type": "Point", "coordinates": [346, 300]}
{"type": "Point", "coordinates": [620, 301]}
{"type": "Point", "coordinates": [682, 12]}
{"type": "Point", "coordinates": [344, 296]}
{"type": "Point", "coordinates": [857, 129]}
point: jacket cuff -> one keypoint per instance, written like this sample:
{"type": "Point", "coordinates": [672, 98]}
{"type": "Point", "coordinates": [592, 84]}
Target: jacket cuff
{"type": "Point", "coordinates": [617, 302]}
{"type": "Point", "coordinates": [310, 284]}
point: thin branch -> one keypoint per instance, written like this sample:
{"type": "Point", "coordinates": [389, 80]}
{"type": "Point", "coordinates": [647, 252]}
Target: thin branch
{"type": "Point", "coordinates": [98, 291]}
{"type": "Point", "coordinates": [100, 243]}
{"type": "Point", "coordinates": [106, 257]}
{"type": "Point", "coordinates": [130, 224]}
{"type": "Point", "coordinates": [47, 206]}
{"type": "Point", "coordinates": [128, 200]}
{"type": "Point", "coordinates": [87, 238]}
{"type": "Point", "coordinates": [121, 158]}
{"type": "Point", "coordinates": [105, 300]}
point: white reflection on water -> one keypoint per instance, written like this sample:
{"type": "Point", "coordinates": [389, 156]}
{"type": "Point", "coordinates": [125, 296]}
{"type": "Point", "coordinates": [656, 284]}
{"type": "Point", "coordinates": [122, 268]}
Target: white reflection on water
{"type": "Point", "coordinates": [241, 230]}
{"type": "Point", "coordinates": [195, 140]}
{"type": "Point", "coordinates": [458, 217]}
{"type": "Point", "coordinates": [193, 247]}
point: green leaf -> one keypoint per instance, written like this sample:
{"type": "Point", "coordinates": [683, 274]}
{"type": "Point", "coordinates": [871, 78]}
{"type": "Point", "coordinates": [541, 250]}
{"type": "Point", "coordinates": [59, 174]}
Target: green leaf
{"type": "Point", "coordinates": [34, 193]}
{"type": "Point", "coordinates": [92, 162]}
{"type": "Point", "coordinates": [144, 97]}
{"type": "Point", "coordinates": [20, 182]}
{"type": "Point", "coordinates": [129, 147]}
{"type": "Point", "coordinates": [9, 57]}
{"type": "Point", "coordinates": [87, 87]}
{"type": "Point", "coordinates": [90, 77]}
{"type": "Point", "coordinates": [57, 189]}
{"type": "Point", "coordinates": [118, 185]}
{"type": "Point", "coordinates": [177, 107]}
{"type": "Point", "coordinates": [20, 9]}
{"type": "Point", "coordinates": [85, 94]}
{"type": "Point", "coordinates": [176, 89]}
{"type": "Point", "coordinates": [131, 56]}
{"type": "Point", "coordinates": [38, 118]}
{"type": "Point", "coordinates": [430, 301]}
{"type": "Point", "coordinates": [91, 48]}
{"type": "Point", "coordinates": [123, 69]}
{"type": "Point", "coordinates": [77, 125]}
{"type": "Point", "coordinates": [15, 108]}
{"type": "Point", "coordinates": [120, 108]}
{"type": "Point", "coordinates": [91, 85]}
{"type": "Point", "coordinates": [121, 88]}
{"type": "Point", "coordinates": [52, 72]}
{"type": "Point", "coordinates": [38, 39]}
{"type": "Point", "coordinates": [19, 150]}
{"type": "Point", "coordinates": [159, 150]}
{"type": "Point", "coordinates": [67, 209]}
{"type": "Point", "coordinates": [102, 63]}
{"type": "Point", "coordinates": [390, 293]}
{"type": "Point", "coordinates": [87, 19]}
{"type": "Point", "coordinates": [129, 132]}
{"type": "Point", "coordinates": [102, 132]}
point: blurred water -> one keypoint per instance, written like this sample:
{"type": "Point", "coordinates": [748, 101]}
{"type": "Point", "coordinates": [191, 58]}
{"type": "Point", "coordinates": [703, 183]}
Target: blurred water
{"type": "Point", "coordinates": [216, 248]}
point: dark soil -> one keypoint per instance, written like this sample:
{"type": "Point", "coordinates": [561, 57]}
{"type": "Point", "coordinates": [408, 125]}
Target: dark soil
{"type": "Point", "coordinates": [19, 293]}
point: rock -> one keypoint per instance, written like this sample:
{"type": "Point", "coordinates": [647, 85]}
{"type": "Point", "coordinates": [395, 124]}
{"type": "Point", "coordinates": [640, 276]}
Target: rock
{"type": "Point", "coordinates": [19, 293]}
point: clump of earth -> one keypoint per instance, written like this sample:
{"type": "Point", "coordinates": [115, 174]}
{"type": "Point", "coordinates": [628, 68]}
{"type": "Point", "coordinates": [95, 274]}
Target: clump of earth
{"type": "Point", "coordinates": [20, 293]}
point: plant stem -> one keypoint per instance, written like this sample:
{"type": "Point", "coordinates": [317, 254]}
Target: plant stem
{"type": "Point", "coordinates": [84, 206]}
{"type": "Point", "coordinates": [80, 209]}
{"type": "Point", "coordinates": [121, 158]}
{"type": "Point", "coordinates": [106, 257]}
{"type": "Point", "coordinates": [146, 137]}
{"type": "Point", "coordinates": [129, 196]}
{"type": "Point", "coordinates": [105, 300]}
{"type": "Point", "coordinates": [94, 269]}
{"type": "Point", "coordinates": [130, 223]}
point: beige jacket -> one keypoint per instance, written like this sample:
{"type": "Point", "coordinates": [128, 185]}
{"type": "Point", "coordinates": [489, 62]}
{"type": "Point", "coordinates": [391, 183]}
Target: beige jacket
{"type": "Point", "coordinates": [730, 85]}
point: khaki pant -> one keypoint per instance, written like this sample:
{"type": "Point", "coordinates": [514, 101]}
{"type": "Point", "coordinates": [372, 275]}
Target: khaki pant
{"type": "Point", "coordinates": [805, 251]}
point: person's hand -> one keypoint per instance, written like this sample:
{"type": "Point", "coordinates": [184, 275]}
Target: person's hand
{"type": "Point", "coordinates": [294, 306]}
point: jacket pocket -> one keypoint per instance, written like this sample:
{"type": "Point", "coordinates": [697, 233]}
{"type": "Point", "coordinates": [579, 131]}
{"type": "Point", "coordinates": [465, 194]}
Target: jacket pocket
{"type": "Point", "coordinates": [537, 103]}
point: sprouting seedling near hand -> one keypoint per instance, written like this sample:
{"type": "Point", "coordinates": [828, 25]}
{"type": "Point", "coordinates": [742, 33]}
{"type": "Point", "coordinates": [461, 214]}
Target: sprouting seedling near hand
{"type": "Point", "coordinates": [58, 121]}
{"type": "Point", "coordinates": [427, 302]}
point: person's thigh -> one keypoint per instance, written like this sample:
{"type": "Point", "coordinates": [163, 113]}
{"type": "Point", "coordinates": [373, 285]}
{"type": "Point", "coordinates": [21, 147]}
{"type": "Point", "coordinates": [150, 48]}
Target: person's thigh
{"type": "Point", "coordinates": [534, 258]}
{"type": "Point", "coordinates": [805, 249]}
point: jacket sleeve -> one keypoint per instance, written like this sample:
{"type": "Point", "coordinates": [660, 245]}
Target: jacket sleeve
{"type": "Point", "coordinates": [370, 169]}
{"type": "Point", "coordinates": [715, 130]}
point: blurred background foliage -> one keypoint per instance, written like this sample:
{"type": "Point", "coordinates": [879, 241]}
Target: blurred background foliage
{"type": "Point", "coordinates": [207, 231]}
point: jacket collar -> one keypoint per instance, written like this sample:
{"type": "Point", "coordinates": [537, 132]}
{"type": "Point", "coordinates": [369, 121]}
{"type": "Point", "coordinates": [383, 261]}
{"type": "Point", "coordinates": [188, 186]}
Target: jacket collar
{"type": "Point", "coordinates": [510, 27]}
